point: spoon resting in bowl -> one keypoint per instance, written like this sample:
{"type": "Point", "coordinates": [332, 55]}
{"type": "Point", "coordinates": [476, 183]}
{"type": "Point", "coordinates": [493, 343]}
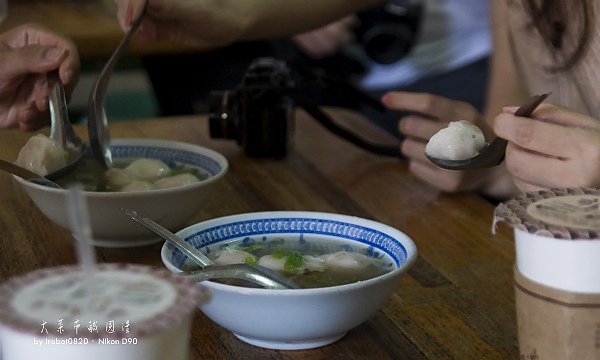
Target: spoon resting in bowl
{"type": "Point", "coordinates": [493, 154]}
{"type": "Point", "coordinates": [257, 274]}
{"type": "Point", "coordinates": [26, 174]}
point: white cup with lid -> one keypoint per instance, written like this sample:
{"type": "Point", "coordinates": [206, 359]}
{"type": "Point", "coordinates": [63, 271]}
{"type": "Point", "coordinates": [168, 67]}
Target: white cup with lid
{"type": "Point", "coordinates": [129, 312]}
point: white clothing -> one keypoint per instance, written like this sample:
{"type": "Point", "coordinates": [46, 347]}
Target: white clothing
{"type": "Point", "coordinates": [453, 33]}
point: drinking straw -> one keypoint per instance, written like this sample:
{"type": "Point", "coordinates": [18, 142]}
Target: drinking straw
{"type": "Point", "coordinates": [80, 227]}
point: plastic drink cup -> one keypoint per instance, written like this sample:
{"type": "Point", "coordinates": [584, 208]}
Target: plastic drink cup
{"type": "Point", "coordinates": [134, 312]}
{"type": "Point", "coordinates": [557, 272]}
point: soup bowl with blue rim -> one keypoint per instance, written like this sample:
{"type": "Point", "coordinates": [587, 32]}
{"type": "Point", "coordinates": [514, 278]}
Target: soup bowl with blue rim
{"type": "Point", "coordinates": [171, 207]}
{"type": "Point", "coordinates": [303, 318]}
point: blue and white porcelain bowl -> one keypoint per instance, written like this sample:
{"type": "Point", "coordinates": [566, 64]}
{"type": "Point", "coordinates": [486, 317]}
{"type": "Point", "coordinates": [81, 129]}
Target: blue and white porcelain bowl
{"type": "Point", "coordinates": [305, 318]}
{"type": "Point", "coordinates": [171, 208]}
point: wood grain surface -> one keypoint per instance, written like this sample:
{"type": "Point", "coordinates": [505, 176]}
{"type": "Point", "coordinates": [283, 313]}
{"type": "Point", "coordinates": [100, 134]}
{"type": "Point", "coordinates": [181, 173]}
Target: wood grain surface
{"type": "Point", "coordinates": [456, 302]}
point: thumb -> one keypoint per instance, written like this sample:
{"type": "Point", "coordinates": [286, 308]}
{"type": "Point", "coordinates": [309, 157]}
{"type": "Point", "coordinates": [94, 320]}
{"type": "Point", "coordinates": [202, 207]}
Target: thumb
{"type": "Point", "coordinates": [30, 59]}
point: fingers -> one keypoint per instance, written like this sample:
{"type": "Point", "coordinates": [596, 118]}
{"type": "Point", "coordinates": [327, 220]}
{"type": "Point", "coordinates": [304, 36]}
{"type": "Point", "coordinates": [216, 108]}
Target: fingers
{"type": "Point", "coordinates": [19, 63]}
{"type": "Point", "coordinates": [556, 148]}
{"type": "Point", "coordinates": [27, 53]}
{"type": "Point", "coordinates": [30, 59]}
{"type": "Point", "coordinates": [419, 127]}
{"type": "Point", "coordinates": [554, 132]}
{"type": "Point", "coordinates": [27, 106]}
{"type": "Point", "coordinates": [576, 168]}
{"type": "Point", "coordinates": [31, 120]}
{"type": "Point", "coordinates": [432, 112]}
{"type": "Point", "coordinates": [450, 181]}
{"type": "Point", "coordinates": [128, 11]}
{"type": "Point", "coordinates": [433, 106]}
{"type": "Point", "coordinates": [35, 48]}
{"type": "Point", "coordinates": [530, 167]}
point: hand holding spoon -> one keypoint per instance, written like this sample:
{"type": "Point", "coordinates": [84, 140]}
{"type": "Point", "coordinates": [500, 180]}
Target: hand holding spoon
{"type": "Point", "coordinates": [493, 154]}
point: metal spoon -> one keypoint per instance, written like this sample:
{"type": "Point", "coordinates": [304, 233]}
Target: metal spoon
{"type": "Point", "coordinates": [257, 274]}
{"type": "Point", "coordinates": [493, 154]}
{"type": "Point", "coordinates": [97, 122]}
{"type": "Point", "coordinates": [61, 129]}
{"type": "Point", "coordinates": [26, 174]}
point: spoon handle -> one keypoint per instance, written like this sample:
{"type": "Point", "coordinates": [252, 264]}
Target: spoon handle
{"type": "Point", "coordinates": [98, 130]}
{"type": "Point", "coordinates": [19, 171]}
{"type": "Point", "coordinates": [259, 275]}
{"type": "Point", "coordinates": [58, 109]}
{"type": "Point", "coordinates": [173, 239]}
{"type": "Point", "coordinates": [532, 103]}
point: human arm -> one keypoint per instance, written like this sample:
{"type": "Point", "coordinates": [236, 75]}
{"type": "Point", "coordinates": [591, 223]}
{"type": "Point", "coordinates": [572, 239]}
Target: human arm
{"type": "Point", "coordinates": [27, 54]}
{"type": "Point", "coordinates": [222, 22]}
{"type": "Point", "coordinates": [327, 40]}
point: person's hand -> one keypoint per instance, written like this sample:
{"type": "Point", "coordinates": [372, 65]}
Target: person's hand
{"type": "Point", "coordinates": [429, 114]}
{"type": "Point", "coordinates": [327, 40]}
{"type": "Point", "coordinates": [557, 147]}
{"type": "Point", "coordinates": [184, 22]}
{"type": "Point", "coordinates": [27, 54]}
{"type": "Point", "coordinates": [210, 24]}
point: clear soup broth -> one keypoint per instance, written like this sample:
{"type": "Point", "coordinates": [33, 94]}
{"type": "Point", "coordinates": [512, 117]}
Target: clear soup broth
{"type": "Point", "coordinates": [93, 177]}
{"type": "Point", "coordinates": [311, 263]}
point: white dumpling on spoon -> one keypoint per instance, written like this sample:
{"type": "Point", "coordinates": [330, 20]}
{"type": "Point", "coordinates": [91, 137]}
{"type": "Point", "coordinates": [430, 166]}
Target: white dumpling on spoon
{"type": "Point", "coordinates": [42, 155]}
{"type": "Point", "coordinates": [459, 141]}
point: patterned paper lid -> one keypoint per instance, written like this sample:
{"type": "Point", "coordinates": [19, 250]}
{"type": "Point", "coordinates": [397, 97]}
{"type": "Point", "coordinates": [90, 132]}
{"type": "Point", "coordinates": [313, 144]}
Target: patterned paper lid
{"type": "Point", "coordinates": [123, 300]}
{"type": "Point", "coordinates": [566, 213]}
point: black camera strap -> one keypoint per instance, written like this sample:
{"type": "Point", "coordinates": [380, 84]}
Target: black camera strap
{"type": "Point", "coordinates": [325, 120]}
{"type": "Point", "coordinates": [319, 76]}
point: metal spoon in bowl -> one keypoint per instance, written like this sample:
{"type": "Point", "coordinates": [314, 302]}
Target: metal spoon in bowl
{"type": "Point", "coordinates": [257, 274]}
{"type": "Point", "coordinates": [493, 154]}
{"type": "Point", "coordinates": [27, 175]}
{"type": "Point", "coordinates": [97, 122]}
{"type": "Point", "coordinates": [61, 129]}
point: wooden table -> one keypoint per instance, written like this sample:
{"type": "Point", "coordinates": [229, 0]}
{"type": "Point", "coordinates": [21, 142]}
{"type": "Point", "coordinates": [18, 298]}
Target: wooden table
{"type": "Point", "coordinates": [456, 302]}
{"type": "Point", "coordinates": [91, 24]}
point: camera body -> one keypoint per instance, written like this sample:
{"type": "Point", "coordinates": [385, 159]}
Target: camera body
{"type": "Point", "coordinates": [259, 113]}
{"type": "Point", "coordinates": [388, 32]}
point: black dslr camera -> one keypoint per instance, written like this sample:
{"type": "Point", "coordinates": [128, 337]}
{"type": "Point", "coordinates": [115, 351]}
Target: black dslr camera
{"type": "Point", "coordinates": [388, 32]}
{"type": "Point", "coordinates": [259, 113]}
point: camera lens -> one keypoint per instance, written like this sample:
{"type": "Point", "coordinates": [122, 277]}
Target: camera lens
{"type": "Point", "coordinates": [223, 115]}
{"type": "Point", "coordinates": [388, 43]}
{"type": "Point", "coordinates": [388, 32]}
